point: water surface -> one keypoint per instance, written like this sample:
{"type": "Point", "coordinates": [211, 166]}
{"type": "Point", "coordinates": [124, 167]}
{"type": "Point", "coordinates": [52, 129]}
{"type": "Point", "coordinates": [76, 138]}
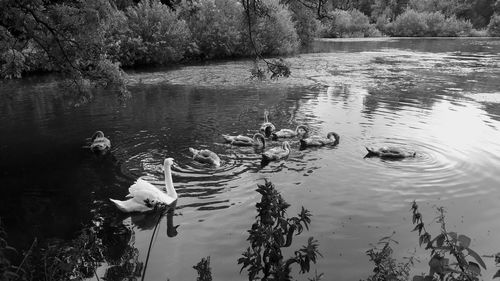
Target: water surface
{"type": "Point", "coordinates": [440, 98]}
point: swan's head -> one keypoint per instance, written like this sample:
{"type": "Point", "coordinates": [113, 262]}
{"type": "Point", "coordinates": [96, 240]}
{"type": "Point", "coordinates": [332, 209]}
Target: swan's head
{"type": "Point", "coordinates": [335, 136]}
{"type": "Point", "coordinates": [97, 134]}
{"type": "Point", "coordinates": [169, 162]}
{"type": "Point", "coordinates": [302, 130]}
{"type": "Point", "coordinates": [268, 131]}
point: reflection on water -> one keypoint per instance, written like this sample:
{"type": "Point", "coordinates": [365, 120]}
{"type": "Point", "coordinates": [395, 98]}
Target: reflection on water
{"type": "Point", "coordinates": [435, 97]}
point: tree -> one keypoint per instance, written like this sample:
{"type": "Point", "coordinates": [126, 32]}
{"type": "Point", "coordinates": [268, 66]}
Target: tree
{"type": "Point", "coordinates": [66, 37]}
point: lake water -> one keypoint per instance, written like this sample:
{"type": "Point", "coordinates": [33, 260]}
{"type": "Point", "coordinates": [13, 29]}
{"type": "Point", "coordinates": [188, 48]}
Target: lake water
{"type": "Point", "coordinates": [438, 97]}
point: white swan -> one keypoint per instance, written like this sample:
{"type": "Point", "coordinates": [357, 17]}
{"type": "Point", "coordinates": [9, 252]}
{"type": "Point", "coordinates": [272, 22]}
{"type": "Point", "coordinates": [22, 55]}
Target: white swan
{"type": "Point", "coordinates": [99, 142]}
{"type": "Point", "coordinates": [145, 196]}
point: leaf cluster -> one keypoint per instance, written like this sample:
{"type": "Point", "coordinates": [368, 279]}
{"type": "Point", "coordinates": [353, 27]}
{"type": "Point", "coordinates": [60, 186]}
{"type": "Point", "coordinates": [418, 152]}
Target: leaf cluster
{"type": "Point", "coordinates": [273, 231]}
{"type": "Point", "coordinates": [203, 269]}
{"type": "Point", "coordinates": [386, 268]}
{"type": "Point", "coordinates": [445, 247]}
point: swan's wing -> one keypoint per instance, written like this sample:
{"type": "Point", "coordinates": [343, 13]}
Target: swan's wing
{"type": "Point", "coordinates": [243, 138]}
{"type": "Point", "coordinates": [130, 205]}
{"type": "Point", "coordinates": [142, 190]}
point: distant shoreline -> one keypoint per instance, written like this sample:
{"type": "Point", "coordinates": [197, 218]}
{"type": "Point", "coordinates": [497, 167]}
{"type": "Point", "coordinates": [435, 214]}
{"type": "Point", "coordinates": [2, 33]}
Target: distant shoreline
{"type": "Point", "coordinates": [388, 38]}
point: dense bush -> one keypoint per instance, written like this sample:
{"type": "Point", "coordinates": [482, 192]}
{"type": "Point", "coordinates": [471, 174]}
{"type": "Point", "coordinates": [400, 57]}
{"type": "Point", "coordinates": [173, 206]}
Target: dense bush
{"type": "Point", "coordinates": [274, 33]}
{"type": "Point", "coordinates": [216, 27]}
{"type": "Point", "coordinates": [148, 33]}
{"type": "Point", "coordinates": [412, 23]}
{"type": "Point", "coordinates": [350, 23]}
{"type": "Point", "coordinates": [306, 24]}
{"type": "Point", "coordinates": [494, 26]}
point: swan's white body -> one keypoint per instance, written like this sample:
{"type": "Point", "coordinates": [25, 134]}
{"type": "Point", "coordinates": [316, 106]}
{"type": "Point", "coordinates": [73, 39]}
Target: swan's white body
{"type": "Point", "coordinates": [143, 196]}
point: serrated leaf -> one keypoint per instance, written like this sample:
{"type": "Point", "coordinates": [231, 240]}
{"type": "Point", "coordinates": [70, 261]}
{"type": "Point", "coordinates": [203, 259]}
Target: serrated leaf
{"type": "Point", "coordinates": [436, 264]}
{"type": "Point", "coordinates": [476, 257]}
{"type": "Point", "coordinates": [474, 267]}
{"type": "Point", "coordinates": [464, 240]}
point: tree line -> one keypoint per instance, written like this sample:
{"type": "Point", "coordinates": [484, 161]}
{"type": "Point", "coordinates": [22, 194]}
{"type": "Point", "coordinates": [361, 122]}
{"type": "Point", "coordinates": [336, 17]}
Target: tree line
{"type": "Point", "coordinates": [90, 42]}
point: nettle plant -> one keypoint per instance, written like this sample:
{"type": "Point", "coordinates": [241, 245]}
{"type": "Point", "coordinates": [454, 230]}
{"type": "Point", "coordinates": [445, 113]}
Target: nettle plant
{"type": "Point", "coordinates": [445, 247]}
{"type": "Point", "coordinates": [273, 231]}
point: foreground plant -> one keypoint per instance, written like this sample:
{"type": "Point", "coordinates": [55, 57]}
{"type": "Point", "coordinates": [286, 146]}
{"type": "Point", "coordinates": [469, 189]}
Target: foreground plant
{"type": "Point", "coordinates": [386, 267]}
{"type": "Point", "coordinates": [466, 263]}
{"type": "Point", "coordinates": [273, 231]}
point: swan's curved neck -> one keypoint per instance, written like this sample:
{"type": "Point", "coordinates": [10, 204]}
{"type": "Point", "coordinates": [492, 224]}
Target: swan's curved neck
{"type": "Point", "coordinates": [169, 185]}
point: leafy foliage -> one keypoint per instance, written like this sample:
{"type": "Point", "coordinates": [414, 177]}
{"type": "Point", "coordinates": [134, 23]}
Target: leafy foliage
{"type": "Point", "coordinates": [67, 37]}
{"type": "Point", "coordinates": [386, 267]}
{"type": "Point", "coordinates": [273, 231]}
{"type": "Point", "coordinates": [445, 246]}
{"type": "Point", "coordinates": [494, 26]}
{"type": "Point", "coordinates": [203, 269]}
{"type": "Point", "coordinates": [413, 23]}
{"type": "Point", "coordinates": [155, 35]}
{"type": "Point", "coordinates": [216, 27]}
{"type": "Point", "coordinates": [350, 23]}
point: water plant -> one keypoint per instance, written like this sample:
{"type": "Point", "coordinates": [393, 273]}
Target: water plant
{"type": "Point", "coordinates": [273, 231]}
{"type": "Point", "coordinates": [203, 269]}
{"type": "Point", "coordinates": [386, 267]}
{"type": "Point", "coordinates": [466, 264]}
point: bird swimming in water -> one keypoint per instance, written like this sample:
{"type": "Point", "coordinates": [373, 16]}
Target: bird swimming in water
{"type": "Point", "coordinates": [389, 152]}
{"type": "Point", "coordinates": [257, 140]}
{"type": "Point", "coordinates": [301, 131]}
{"type": "Point", "coordinates": [267, 128]}
{"type": "Point", "coordinates": [277, 153]}
{"type": "Point", "coordinates": [143, 196]}
{"type": "Point", "coordinates": [205, 156]}
{"type": "Point", "coordinates": [99, 142]}
{"type": "Point", "coordinates": [331, 139]}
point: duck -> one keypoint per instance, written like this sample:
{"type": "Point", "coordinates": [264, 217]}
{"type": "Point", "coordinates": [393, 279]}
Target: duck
{"type": "Point", "coordinates": [277, 153]}
{"type": "Point", "coordinates": [99, 142]}
{"type": "Point", "coordinates": [205, 156]}
{"type": "Point", "coordinates": [300, 131]}
{"type": "Point", "coordinates": [257, 140]}
{"type": "Point", "coordinates": [331, 139]}
{"type": "Point", "coordinates": [267, 128]}
{"type": "Point", "coordinates": [389, 152]}
{"type": "Point", "coordinates": [144, 197]}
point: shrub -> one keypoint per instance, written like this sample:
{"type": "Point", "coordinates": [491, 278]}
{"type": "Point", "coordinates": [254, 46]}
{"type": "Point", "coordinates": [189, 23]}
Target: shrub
{"type": "Point", "coordinates": [273, 231]}
{"type": "Point", "coordinates": [273, 33]}
{"type": "Point", "coordinates": [413, 23]}
{"type": "Point", "coordinates": [494, 25]}
{"type": "Point", "coordinates": [154, 35]}
{"type": "Point", "coordinates": [12, 64]}
{"type": "Point", "coordinates": [410, 23]}
{"type": "Point", "coordinates": [306, 24]}
{"type": "Point", "coordinates": [216, 27]}
{"type": "Point", "coordinates": [350, 23]}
